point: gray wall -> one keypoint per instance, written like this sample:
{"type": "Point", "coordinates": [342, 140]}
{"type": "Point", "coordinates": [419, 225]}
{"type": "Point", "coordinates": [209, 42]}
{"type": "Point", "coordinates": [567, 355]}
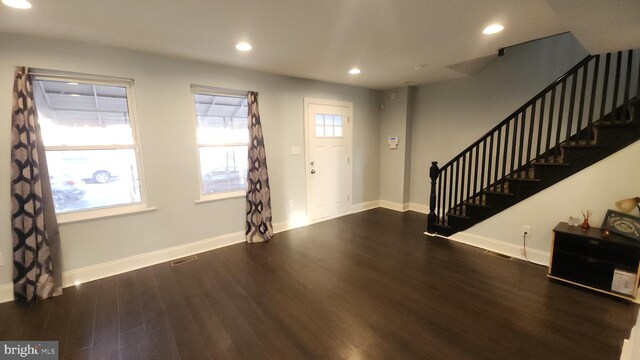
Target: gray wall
{"type": "Point", "coordinates": [394, 163]}
{"type": "Point", "coordinates": [449, 116]}
{"type": "Point", "coordinates": [166, 123]}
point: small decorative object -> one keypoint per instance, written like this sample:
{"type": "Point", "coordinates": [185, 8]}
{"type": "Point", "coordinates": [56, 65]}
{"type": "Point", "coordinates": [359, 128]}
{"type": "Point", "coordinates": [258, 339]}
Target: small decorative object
{"type": "Point", "coordinates": [585, 224]}
{"type": "Point", "coordinates": [627, 205]}
{"type": "Point", "coordinates": [573, 221]}
{"type": "Point", "coordinates": [605, 233]}
{"type": "Point", "coordinates": [622, 224]}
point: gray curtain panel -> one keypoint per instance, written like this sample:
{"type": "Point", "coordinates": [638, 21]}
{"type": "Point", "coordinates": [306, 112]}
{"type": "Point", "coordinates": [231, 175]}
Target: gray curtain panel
{"type": "Point", "coordinates": [259, 224]}
{"type": "Point", "coordinates": [36, 242]}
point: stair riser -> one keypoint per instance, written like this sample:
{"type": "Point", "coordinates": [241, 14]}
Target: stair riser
{"type": "Point", "coordinates": [500, 202]}
{"type": "Point", "coordinates": [456, 222]}
{"type": "Point", "coordinates": [617, 137]}
{"type": "Point", "coordinates": [476, 212]}
{"type": "Point", "coordinates": [523, 187]}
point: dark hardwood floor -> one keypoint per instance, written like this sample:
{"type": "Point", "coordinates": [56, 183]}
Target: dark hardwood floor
{"type": "Point", "coordinates": [364, 286]}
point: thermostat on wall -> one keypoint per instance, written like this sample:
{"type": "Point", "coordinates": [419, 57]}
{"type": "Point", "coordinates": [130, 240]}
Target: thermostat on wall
{"type": "Point", "coordinates": [393, 142]}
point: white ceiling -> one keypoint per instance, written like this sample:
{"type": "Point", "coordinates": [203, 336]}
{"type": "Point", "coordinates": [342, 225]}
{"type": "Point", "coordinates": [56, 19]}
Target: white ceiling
{"type": "Point", "coordinates": [319, 40]}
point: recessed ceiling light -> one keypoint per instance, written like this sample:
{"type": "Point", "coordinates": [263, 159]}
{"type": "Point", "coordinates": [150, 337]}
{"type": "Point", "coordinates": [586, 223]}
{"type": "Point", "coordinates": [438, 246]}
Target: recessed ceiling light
{"type": "Point", "coordinates": [492, 29]}
{"type": "Point", "coordinates": [243, 46]}
{"type": "Point", "coordinates": [72, 83]}
{"type": "Point", "coordinates": [354, 71]}
{"type": "Point", "coordinates": [74, 94]}
{"type": "Point", "coordinates": [18, 4]}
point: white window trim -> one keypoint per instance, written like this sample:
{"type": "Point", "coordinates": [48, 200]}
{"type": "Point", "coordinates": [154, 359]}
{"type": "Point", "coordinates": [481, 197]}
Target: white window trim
{"type": "Point", "coordinates": [214, 91]}
{"type": "Point", "coordinates": [100, 213]}
{"type": "Point", "coordinates": [115, 210]}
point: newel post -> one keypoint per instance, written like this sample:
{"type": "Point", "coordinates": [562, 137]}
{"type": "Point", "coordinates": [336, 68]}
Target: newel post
{"type": "Point", "coordinates": [431, 218]}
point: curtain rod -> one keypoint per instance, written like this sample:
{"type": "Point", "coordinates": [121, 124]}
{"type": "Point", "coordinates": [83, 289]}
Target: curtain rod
{"type": "Point", "coordinates": [218, 90]}
{"type": "Point", "coordinates": [82, 76]}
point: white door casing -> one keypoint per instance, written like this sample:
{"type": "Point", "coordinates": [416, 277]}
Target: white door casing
{"type": "Point", "coordinates": [328, 155]}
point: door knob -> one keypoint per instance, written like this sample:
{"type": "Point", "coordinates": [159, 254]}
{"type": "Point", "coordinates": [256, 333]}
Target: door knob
{"type": "Point", "coordinates": [313, 171]}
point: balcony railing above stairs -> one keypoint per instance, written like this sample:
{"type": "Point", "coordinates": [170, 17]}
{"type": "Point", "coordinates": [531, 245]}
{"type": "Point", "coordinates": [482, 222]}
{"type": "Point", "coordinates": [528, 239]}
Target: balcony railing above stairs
{"type": "Point", "coordinates": [598, 90]}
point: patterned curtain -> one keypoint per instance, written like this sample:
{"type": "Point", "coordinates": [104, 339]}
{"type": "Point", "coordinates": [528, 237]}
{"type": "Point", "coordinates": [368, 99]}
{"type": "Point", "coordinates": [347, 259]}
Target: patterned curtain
{"type": "Point", "coordinates": [36, 242]}
{"type": "Point", "coordinates": [259, 227]}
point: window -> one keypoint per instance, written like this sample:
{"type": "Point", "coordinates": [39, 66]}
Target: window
{"type": "Point", "coordinates": [91, 147]}
{"type": "Point", "coordinates": [223, 139]}
{"type": "Point", "coordinates": [328, 125]}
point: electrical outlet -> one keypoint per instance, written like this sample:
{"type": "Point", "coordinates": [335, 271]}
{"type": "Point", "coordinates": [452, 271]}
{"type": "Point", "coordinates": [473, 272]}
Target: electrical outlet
{"type": "Point", "coordinates": [526, 229]}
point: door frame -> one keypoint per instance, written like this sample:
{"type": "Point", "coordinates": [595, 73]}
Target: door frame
{"type": "Point", "coordinates": [348, 134]}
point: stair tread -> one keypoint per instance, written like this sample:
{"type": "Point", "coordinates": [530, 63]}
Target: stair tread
{"type": "Point", "coordinates": [443, 225]}
{"type": "Point", "coordinates": [550, 164]}
{"type": "Point", "coordinates": [450, 214]}
{"type": "Point", "coordinates": [498, 193]}
{"type": "Point", "coordinates": [523, 179]}
{"type": "Point", "coordinates": [582, 146]}
{"type": "Point", "coordinates": [466, 203]}
{"type": "Point", "coordinates": [616, 124]}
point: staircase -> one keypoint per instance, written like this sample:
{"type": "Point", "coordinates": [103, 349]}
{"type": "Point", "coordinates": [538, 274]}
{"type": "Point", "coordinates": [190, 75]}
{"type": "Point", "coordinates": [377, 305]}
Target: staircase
{"type": "Point", "coordinates": [587, 114]}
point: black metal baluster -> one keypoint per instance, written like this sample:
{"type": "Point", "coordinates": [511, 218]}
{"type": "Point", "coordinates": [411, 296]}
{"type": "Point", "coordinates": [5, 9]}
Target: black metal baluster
{"type": "Point", "coordinates": [572, 101]}
{"type": "Point", "coordinates": [514, 145]}
{"type": "Point", "coordinates": [469, 194]}
{"type": "Point", "coordinates": [605, 84]}
{"type": "Point", "coordinates": [616, 84]}
{"type": "Point", "coordinates": [530, 142]}
{"type": "Point", "coordinates": [484, 163]}
{"type": "Point", "coordinates": [462, 178]}
{"type": "Point", "coordinates": [489, 163]}
{"type": "Point", "coordinates": [455, 189]}
{"type": "Point", "coordinates": [497, 169]}
{"type": "Point", "coordinates": [583, 90]}
{"type": "Point", "coordinates": [444, 197]}
{"type": "Point", "coordinates": [540, 123]}
{"type": "Point", "coordinates": [560, 115]}
{"type": "Point", "coordinates": [523, 122]}
{"type": "Point", "coordinates": [440, 197]}
{"type": "Point", "coordinates": [594, 87]}
{"type": "Point", "coordinates": [475, 171]}
{"type": "Point", "coordinates": [506, 153]}
{"type": "Point", "coordinates": [627, 86]}
{"type": "Point", "coordinates": [450, 188]}
{"type": "Point", "coordinates": [550, 124]}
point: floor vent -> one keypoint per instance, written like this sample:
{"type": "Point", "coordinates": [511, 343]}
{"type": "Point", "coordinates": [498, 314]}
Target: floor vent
{"type": "Point", "coordinates": [184, 260]}
{"type": "Point", "coordinates": [489, 252]}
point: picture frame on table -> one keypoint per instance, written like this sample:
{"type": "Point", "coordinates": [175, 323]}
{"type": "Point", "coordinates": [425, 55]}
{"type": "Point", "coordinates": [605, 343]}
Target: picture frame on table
{"type": "Point", "coordinates": [622, 224]}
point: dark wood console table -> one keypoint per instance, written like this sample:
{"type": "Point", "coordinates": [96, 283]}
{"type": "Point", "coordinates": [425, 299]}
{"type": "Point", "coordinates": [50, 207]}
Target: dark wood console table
{"type": "Point", "coordinates": [589, 259]}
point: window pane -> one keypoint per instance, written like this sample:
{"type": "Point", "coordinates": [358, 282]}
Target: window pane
{"type": "Point", "coordinates": [328, 131]}
{"type": "Point", "coordinates": [337, 120]}
{"type": "Point", "coordinates": [221, 119]}
{"type": "Point", "coordinates": [88, 179]}
{"type": "Point", "coordinates": [75, 114]}
{"type": "Point", "coordinates": [319, 119]}
{"type": "Point", "coordinates": [337, 131]}
{"type": "Point", "coordinates": [319, 131]}
{"type": "Point", "coordinates": [223, 168]}
{"type": "Point", "coordinates": [328, 120]}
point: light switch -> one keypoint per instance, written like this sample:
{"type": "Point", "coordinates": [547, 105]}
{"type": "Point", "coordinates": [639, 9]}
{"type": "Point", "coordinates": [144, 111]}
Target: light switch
{"type": "Point", "coordinates": [295, 150]}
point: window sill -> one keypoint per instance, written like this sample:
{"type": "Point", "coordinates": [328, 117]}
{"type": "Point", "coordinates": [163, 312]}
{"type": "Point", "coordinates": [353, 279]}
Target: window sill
{"type": "Point", "coordinates": [221, 196]}
{"type": "Point", "coordinates": [80, 216]}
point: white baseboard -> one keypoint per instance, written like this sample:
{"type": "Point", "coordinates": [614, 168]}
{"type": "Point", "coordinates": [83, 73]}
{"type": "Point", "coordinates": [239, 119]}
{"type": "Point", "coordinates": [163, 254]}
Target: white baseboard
{"type": "Point", "coordinates": [115, 267]}
{"type": "Point", "coordinates": [392, 205]}
{"type": "Point", "coordinates": [304, 220]}
{"type": "Point", "coordinates": [423, 209]}
{"type": "Point", "coordinates": [502, 247]}
{"type": "Point", "coordinates": [6, 292]}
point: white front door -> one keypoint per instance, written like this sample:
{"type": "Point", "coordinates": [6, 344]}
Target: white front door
{"type": "Point", "coordinates": [328, 135]}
